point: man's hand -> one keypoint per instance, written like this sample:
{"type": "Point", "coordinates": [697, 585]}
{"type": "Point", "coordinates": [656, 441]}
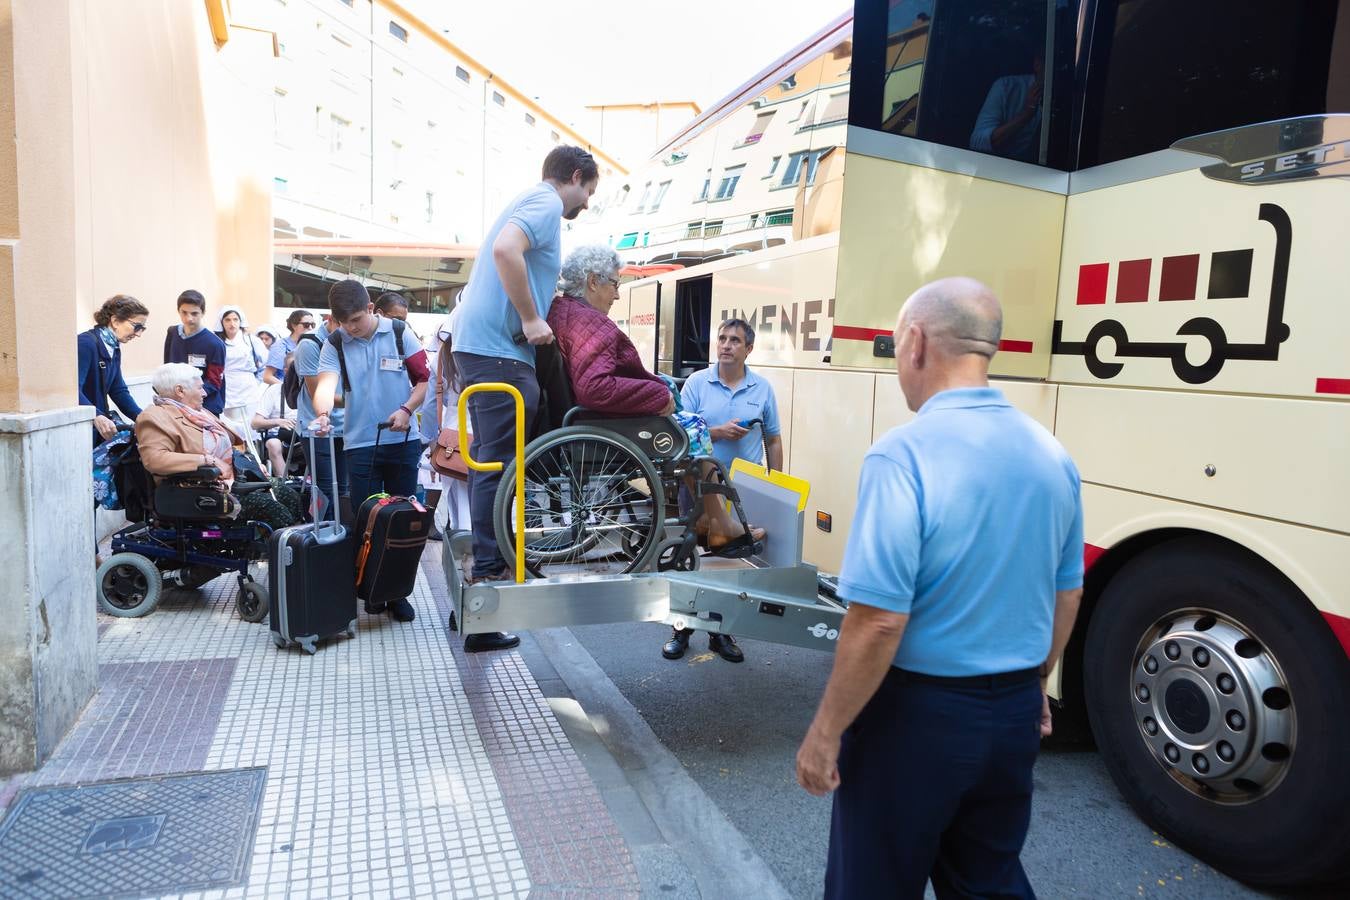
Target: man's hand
{"type": "Point", "coordinates": [105, 426]}
{"type": "Point", "coordinates": [537, 331]}
{"type": "Point", "coordinates": [1047, 723]}
{"type": "Point", "coordinates": [320, 425]}
{"type": "Point", "coordinates": [669, 407]}
{"type": "Point", "coordinates": [728, 432]}
{"type": "Point", "coordinates": [398, 420]}
{"type": "Point", "coordinates": [818, 762]}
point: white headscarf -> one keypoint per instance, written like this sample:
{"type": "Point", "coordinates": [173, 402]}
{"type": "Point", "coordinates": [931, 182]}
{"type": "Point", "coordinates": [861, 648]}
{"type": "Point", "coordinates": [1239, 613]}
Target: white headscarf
{"type": "Point", "coordinates": [224, 310]}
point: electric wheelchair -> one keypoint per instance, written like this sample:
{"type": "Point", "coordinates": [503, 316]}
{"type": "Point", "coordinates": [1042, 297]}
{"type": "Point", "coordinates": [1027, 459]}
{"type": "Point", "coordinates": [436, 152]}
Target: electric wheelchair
{"type": "Point", "coordinates": [182, 532]}
{"type": "Point", "coordinates": [603, 494]}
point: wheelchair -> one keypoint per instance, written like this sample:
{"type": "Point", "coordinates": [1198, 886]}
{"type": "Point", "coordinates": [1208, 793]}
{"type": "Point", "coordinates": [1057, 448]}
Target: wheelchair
{"type": "Point", "coordinates": [183, 532]}
{"type": "Point", "coordinates": [603, 495]}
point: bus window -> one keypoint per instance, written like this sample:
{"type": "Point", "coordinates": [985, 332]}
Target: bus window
{"type": "Point", "coordinates": [1160, 70]}
{"type": "Point", "coordinates": [979, 74]}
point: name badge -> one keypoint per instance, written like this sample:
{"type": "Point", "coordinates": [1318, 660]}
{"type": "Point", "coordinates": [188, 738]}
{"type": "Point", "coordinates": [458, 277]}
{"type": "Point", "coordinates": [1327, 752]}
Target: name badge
{"type": "Point", "coordinates": [197, 359]}
{"type": "Point", "coordinates": [391, 364]}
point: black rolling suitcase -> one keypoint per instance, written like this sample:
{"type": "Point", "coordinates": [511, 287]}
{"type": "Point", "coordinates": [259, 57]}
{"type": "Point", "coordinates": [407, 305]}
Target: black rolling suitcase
{"type": "Point", "coordinates": [391, 533]}
{"type": "Point", "coordinates": [310, 576]}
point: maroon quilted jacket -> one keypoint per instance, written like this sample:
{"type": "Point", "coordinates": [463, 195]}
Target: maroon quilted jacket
{"type": "Point", "coordinates": [602, 363]}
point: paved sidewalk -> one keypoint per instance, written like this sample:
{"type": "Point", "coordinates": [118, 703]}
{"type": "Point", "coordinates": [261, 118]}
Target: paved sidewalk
{"type": "Point", "coordinates": [396, 765]}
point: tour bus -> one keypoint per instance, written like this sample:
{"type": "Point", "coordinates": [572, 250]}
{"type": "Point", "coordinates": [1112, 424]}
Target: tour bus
{"type": "Point", "coordinates": [1157, 193]}
{"type": "Point", "coordinates": [429, 276]}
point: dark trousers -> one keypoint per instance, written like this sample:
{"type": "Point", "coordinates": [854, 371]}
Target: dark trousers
{"type": "Point", "coordinates": [493, 417]}
{"type": "Point", "coordinates": [321, 472]}
{"type": "Point", "coordinates": [390, 467]}
{"type": "Point", "coordinates": [935, 783]}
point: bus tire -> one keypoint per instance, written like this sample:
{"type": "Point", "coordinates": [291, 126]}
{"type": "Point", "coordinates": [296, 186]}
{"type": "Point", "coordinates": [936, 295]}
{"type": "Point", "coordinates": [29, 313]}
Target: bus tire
{"type": "Point", "coordinates": [1184, 637]}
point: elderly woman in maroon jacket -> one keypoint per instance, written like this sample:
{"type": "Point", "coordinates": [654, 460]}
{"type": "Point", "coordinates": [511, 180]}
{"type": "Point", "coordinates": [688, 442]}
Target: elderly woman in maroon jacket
{"type": "Point", "coordinates": [603, 365]}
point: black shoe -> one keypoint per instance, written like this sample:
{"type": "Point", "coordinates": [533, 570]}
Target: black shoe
{"type": "Point", "coordinates": [453, 625]}
{"type": "Point", "coordinates": [375, 609]}
{"type": "Point", "coordinates": [493, 640]}
{"type": "Point", "coordinates": [678, 643]}
{"type": "Point", "coordinates": [435, 534]}
{"type": "Point", "coordinates": [724, 645]}
{"type": "Point", "coordinates": [401, 610]}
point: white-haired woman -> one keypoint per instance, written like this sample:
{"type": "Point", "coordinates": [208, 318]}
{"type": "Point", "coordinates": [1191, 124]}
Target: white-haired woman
{"type": "Point", "coordinates": [177, 434]}
{"type": "Point", "coordinates": [606, 372]}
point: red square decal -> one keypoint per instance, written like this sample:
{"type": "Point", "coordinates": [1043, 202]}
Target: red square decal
{"type": "Point", "coordinates": [1179, 274]}
{"type": "Point", "coordinates": [1132, 280]}
{"type": "Point", "coordinates": [1092, 283]}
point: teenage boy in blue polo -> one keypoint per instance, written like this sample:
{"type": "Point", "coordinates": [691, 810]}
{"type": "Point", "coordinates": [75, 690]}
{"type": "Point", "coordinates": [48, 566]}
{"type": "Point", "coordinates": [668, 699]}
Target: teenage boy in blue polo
{"type": "Point", "coordinates": [381, 385]}
{"type": "Point", "coordinates": [190, 343]}
{"type": "Point", "coordinates": [306, 361]}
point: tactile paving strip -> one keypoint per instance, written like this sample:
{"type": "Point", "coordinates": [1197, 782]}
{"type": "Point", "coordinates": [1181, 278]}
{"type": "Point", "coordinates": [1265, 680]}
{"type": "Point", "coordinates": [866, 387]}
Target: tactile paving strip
{"type": "Point", "coordinates": [134, 837]}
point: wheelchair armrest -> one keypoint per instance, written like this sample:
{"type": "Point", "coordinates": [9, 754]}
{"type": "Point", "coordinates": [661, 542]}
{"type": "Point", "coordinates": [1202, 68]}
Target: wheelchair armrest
{"type": "Point", "coordinates": [202, 473]}
{"type": "Point", "coordinates": [249, 487]}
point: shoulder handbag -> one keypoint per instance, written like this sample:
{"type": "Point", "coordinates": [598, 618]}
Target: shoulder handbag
{"type": "Point", "coordinates": [445, 456]}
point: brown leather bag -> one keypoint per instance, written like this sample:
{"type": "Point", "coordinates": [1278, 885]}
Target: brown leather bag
{"type": "Point", "coordinates": [445, 456]}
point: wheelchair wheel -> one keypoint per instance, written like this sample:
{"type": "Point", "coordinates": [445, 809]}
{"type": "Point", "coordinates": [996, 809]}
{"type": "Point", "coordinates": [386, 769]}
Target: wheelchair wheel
{"type": "Point", "coordinates": [129, 585]}
{"type": "Point", "coordinates": [593, 502]}
{"type": "Point", "coordinates": [252, 604]}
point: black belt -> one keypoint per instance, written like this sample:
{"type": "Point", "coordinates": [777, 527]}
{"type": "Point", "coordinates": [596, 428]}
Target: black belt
{"type": "Point", "coordinates": [996, 680]}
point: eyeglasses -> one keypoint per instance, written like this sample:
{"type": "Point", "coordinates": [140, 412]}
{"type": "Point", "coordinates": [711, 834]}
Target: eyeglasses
{"type": "Point", "coordinates": [138, 327]}
{"type": "Point", "coordinates": [612, 282]}
{"type": "Point", "coordinates": [306, 324]}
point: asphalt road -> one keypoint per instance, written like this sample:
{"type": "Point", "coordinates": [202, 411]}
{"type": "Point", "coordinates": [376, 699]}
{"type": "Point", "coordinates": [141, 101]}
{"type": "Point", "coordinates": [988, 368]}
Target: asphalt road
{"type": "Point", "coordinates": [735, 729]}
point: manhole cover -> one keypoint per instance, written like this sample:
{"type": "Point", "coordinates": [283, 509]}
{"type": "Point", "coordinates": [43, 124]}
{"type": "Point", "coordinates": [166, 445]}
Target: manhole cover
{"type": "Point", "coordinates": [166, 834]}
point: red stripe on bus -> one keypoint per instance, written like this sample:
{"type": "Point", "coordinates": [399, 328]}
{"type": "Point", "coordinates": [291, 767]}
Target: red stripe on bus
{"type": "Point", "coordinates": [1333, 385]}
{"type": "Point", "coordinates": [1091, 553]}
{"type": "Point", "coordinates": [853, 333]}
{"type": "Point", "coordinates": [1340, 626]}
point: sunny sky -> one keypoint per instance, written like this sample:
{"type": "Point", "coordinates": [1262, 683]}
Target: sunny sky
{"type": "Point", "coordinates": [572, 54]}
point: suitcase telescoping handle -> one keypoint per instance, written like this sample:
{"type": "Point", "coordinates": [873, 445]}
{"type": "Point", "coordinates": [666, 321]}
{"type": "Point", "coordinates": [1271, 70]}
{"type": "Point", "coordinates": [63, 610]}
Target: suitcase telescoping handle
{"type": "Point", "coordinates": [335, 531]}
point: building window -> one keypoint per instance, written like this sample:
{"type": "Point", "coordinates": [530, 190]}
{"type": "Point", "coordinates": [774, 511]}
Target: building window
{"type": "Point", "coordinates": [801, 111]}
{"type": "Point", "coordinates": [397, 71]}
{"type": "Point", "coordinates": [660, 195]}
{"type": "Point", "coordinates": [707, 183]}
{"type": "Point", "coordinates": [345, 2]}
{"type": "Point", "coordinates": [757, 130]}
{"type": "Point", "coordinates": [462, 74]}
{"type": "Point", "coordinates": [337, 134]}
{"type": "Point", "coordinates": [398, 31]}
{"type": "Point", "coordinates": [773, 166]}
{"type": "Point", "coordinates": [693, 230]}
{"type": "Point", "coordinates": [431, 207]}
{"type": "Point", "coordinates": [529, 120]}
{"type": "Point", "coordinates": [498, 99]}
{"type": "Point", "coordinates": [627, 241]}
{"type": "Point", "coordinates": [778, 217]}
{"type": "Point", "coordinates": [805, 159]}
{"type": "Point", "coordinates": [554, 136]}
{"type": "Point", "coordinates": [836, 110]}
{"type": "Point", "coordinates": [730, 178]}
{"type": "Point", "coordinates": [646, 195]}
{"type": "Point", "coordinates": [397, 158]}
{"type": "Point", "coordinates": [712, 229]}
{"type": "Point", "coordinates": [279, 184]}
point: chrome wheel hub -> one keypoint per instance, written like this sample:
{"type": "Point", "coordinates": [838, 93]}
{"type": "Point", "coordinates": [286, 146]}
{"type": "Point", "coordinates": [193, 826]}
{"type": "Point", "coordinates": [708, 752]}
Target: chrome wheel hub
{"type": "Point", "coordinates": [1213, 706]}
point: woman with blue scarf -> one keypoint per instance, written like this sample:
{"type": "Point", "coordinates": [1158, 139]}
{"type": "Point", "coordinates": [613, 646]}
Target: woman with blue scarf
{"type": "Point", "coordinates": [121, 318]}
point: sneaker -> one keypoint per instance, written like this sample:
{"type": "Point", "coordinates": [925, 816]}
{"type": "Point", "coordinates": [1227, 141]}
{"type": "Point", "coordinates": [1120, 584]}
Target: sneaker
{"type": "Point", "coordinates": [401, 610]}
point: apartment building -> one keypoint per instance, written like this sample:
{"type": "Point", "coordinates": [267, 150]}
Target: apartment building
{"type": "Point", "coordinates": [386, 130]}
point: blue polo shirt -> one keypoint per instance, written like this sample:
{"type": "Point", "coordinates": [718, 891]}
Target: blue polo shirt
{"type": "Point", "coordinates": [306, 363]}
{"type": "Point", "coordinates": [969, 519]}
{"type": "Point", "coordinates": [276, 357]}
{"type": "Point", "coordinates": [379, 381]}
{"type": "Point", "coordinates": [486, 319]}
{"type": "Point", "coordinates": [704, 393]}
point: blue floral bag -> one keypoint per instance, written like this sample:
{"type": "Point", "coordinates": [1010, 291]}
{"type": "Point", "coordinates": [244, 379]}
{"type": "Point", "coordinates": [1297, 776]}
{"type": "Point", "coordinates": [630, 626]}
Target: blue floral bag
{"type": "Point", "coordinates": [105, 488]}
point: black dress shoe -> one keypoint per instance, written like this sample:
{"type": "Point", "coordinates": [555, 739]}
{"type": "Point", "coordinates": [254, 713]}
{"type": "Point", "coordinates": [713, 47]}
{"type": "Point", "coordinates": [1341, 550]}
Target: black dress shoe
{"type": "Point", "coordinates": [678, 643]}
{"type": "Point", "coordinates": [493, 640]}
{"type": "Point", "coordinates": [401, 610]}
{"type": "Point", "coordinates": [724, 645]}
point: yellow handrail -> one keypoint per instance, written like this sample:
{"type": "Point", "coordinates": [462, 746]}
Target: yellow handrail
{"type": "Point", "coordinates": [463, 410]}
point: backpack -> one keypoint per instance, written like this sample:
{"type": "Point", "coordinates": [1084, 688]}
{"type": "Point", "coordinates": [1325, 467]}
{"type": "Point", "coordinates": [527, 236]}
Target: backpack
{"type": "Point", "coordinates": [291, 381]}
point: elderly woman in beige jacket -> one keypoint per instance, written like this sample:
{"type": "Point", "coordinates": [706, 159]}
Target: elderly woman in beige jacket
{"type": "Point", "coordinates": [176, 435]}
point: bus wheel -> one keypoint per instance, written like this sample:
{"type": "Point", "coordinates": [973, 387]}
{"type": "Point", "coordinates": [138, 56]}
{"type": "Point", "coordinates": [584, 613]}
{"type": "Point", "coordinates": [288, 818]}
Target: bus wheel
{"type": "Point", "coordinates": [1217, 696]}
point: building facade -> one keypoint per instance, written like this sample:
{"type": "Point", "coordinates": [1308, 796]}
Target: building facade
{"type": "Point", "coordinates": [386, 130]}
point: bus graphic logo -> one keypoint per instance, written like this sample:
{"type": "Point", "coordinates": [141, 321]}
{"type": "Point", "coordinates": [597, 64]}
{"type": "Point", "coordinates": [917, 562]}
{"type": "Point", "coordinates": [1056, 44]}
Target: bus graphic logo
{"type": "Point", "coordinates": [1229, 277]}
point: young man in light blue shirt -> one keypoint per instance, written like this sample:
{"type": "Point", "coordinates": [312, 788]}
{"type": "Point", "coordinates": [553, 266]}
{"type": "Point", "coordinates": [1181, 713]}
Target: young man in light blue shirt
{"type": "Point", "coordinates": [306, 362]}
{"type": "Point", "coordinates": [729, 397]}
{"type": "Point", "coordinates": [501, 318]}
{"type": "Point", "coordinates": [382, 383]}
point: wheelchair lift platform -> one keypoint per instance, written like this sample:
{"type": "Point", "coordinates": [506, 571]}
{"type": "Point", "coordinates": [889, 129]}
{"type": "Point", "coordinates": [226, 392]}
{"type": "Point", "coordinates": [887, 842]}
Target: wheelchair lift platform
{"type": "Point", "coordinates": [773, 597]}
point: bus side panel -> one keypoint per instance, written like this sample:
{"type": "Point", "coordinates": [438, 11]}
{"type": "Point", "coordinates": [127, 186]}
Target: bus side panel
{"type": "Point", "coordinates": [1280, 458]}
{"type": "Point", "coordinates": [1148, 260]}
{"type": "Point", "coordinates": [642, 321]}
{"type": "Point", "coordinates": [1313, 560]}
{"type": "Point", "coordinates": [783, 393]}
{"type": "Point", "coordinates": [789, 303]}
{"type": "Point", "coordinates": [905, 225]}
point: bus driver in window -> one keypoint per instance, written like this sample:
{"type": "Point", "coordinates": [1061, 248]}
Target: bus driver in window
{"type": "Point", "coordinates": [1009, 123]}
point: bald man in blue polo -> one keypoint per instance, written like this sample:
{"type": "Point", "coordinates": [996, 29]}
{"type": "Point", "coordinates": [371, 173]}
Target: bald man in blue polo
{"type": "Point", "coordinates": [963, 573]}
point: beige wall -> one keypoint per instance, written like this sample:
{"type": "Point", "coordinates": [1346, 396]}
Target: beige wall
{"type": "Point", "coordinates": [172, 167]}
